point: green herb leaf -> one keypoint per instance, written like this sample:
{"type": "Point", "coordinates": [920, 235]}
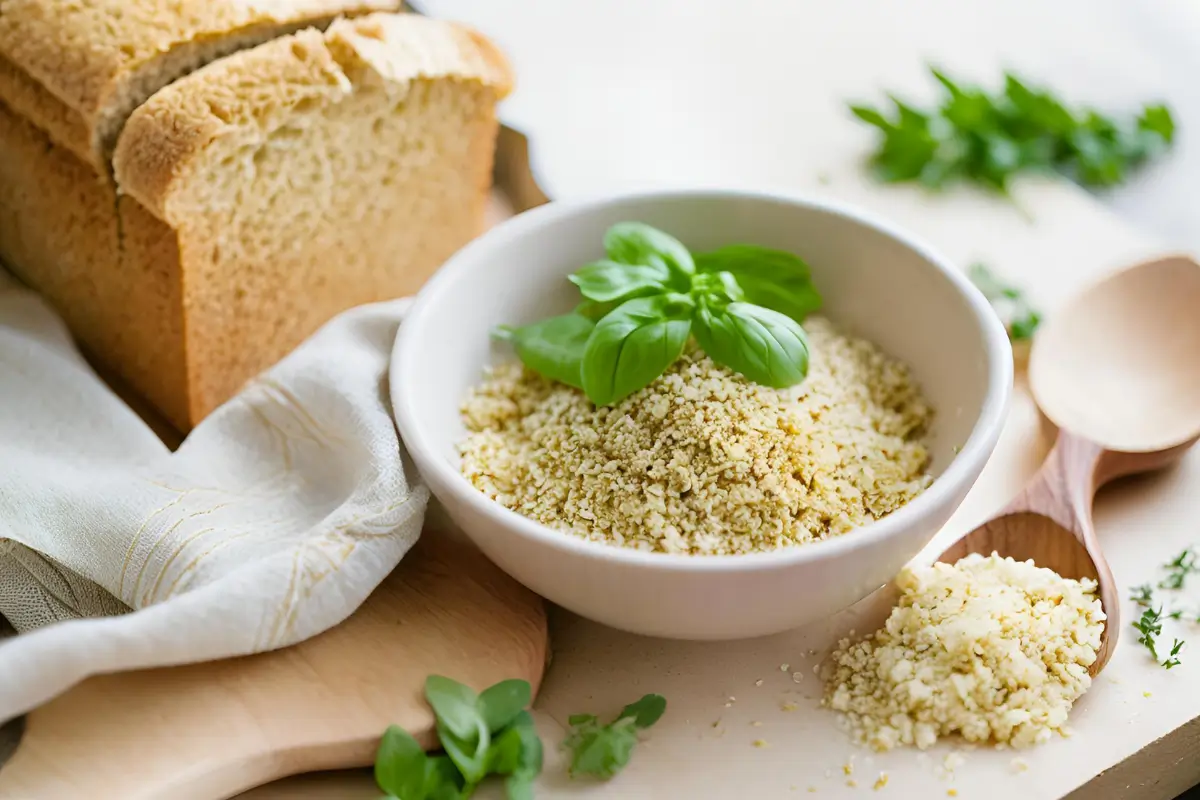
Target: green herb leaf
{"type": "Point", "coordinates": [645, 712]}
{"type": "Point", "coordinates": [504, 755]}
{"type": "Point", "coordinates": [400, 765]}
{"type": "Point", "coordinates": [773, 279]}
{"type": "Point", "coordinates": [469, 754]}
{"type": "Point", "coordinates": [1142, 595]}
{"type": "Point", "coordinates": [1178, 569]}
{"type": "Point", "coordinates": [1171, 660]}
{"type": "Point", "coordinates": [633, 345]}
{"type": "Point", "coordinates": [608, 281]}
{"type": "Point", "coordinates": [767, 347]}
{"type": "Point", "coordinates": [1149, 625]}
{"type": "Point", "coordinates": [987, 138]}
{"type": "Point", "coordinates": [442, 780]}
{"type": "Point", "coordinates": [499, 705]}
{"type": "Point", "coordinates": [638, 243]}
{"type": "Point", "coordinates": [1020, 319]}
{"type": "Point", "coordinates": [553, 347]}
{"type": "Point", "coordinates": [455, 706]}
{"type": "Point", "coordinates": [519, 785]}
{"type": "Point", "coordinates": [601, 751]}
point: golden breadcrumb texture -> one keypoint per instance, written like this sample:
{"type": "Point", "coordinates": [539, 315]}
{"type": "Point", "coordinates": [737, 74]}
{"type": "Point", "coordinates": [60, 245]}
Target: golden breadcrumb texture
{"type": "Point", "coordinates": [703, 461]}
{"type": "Point", "coordinates": [989, 649]}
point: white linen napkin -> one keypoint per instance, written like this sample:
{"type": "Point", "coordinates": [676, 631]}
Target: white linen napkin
{"type": "Point", "coordinates": [274, 520]}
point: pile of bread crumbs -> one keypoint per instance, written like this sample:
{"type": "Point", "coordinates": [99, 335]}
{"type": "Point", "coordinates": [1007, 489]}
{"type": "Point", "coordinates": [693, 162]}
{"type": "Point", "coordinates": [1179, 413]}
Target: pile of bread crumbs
{"type": "Point", "coordinates": [991, 649]}
{"type": "Point", "coordinates": [703, 461]}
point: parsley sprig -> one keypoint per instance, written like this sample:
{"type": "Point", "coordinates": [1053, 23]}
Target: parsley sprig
{"type": "Point", "coordinates": [486, 734]}
{"type": "Point", "coordinates": [640, 305]}
{"type": "Point", "coordinates": [1020, 318]}
{"type": "Point", "coordinates": [987, 138]}
{"type": "Point", "coordinates": [602, 751]}
{"type": "Point", "coordinates": [1149, 625]}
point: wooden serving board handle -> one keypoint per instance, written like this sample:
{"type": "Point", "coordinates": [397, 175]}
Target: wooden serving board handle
{"type": "Point", "coordinates": [209, 731]}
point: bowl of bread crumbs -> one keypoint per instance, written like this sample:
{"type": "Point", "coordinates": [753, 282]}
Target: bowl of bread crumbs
{"type": "Point", "coordinates": [705, 447]}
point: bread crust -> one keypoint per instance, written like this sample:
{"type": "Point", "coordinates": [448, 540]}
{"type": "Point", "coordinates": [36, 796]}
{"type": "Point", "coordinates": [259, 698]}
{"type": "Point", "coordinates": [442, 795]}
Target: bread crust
{"type": "Point", "coordinates": [77, 69]}
{"type": "Point", "coordinates": [164, 142]}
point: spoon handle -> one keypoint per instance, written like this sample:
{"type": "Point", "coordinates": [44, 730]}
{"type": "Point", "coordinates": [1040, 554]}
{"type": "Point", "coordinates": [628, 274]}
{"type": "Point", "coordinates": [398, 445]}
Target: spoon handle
{"type": "Point", "coordinates": [1064, 487]}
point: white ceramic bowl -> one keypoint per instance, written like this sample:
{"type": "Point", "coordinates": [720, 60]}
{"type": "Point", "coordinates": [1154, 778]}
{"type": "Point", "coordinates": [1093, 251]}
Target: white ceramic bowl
{"type": "Point", "coordinates": [877, 281]}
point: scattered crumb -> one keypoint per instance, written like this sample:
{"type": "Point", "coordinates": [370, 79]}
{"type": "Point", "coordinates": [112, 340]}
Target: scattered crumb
{"type": "Point", "coordinates": [882, 781]}
{"type": "Point", "coordinates": [797, 677]}
{"type": "Point", "coordinates": [816, 669]}
{"type": "Point", "coordinates": [812, 790]}
{"type": "Point", "coordinates": [953, 761]}
{"type": "Point", "coordinates": [952, 792]}
{"type": "Point", "coordinates": [1019, 765]}
{"type": "Point", "coordinates": [1147, 694]}
{"type": "Point", "coordinates": [760, 743]}
{"type": "Point", "coordinates": [788, 707]}
{"type": "Point", "coordinates": [716, 723]}
{"type": "Point", "coordinates": [848, 767]}
{"type": "Point", "coordinates": [784, 667]}
{"type": "Point", "coordinates": [852, 783]}
{"type": "Point", "coordinates": [756, 724]}
{"type": "Point", "coordinates": [758, 682]}
{"type": "Point", "coordinates": [828, 773]}
{"type": "Point", "coordinates": [729, 705]}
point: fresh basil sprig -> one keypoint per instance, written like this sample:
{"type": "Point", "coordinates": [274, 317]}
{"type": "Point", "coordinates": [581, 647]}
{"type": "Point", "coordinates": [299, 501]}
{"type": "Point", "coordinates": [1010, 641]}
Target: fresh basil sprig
{"type": "Point", "coordinates": [602, 751]}
{"type": "Point", "coordinates": [486, 734]}
{"type": "Point", "coordinates": [744, 304]}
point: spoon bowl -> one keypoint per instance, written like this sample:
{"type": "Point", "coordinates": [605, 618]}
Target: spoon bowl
{"type": "Point", "coordinates": [1117, 372]}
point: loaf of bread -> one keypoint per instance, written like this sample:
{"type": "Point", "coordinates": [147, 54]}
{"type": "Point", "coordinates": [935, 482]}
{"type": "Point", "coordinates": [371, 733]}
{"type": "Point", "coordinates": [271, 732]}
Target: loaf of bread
{"type": "Point", "coordinates": [197, 185]}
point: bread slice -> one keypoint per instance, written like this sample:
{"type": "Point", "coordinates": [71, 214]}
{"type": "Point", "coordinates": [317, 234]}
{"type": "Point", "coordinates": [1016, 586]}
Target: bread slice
{"type": "Point", "coordinates": [258, 197]}
{"type": "Point", "coordinates": [78, 69]}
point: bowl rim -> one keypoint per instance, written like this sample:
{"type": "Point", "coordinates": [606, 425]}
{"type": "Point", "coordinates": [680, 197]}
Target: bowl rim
{"type": "Point", "coordinates": [962, 469]}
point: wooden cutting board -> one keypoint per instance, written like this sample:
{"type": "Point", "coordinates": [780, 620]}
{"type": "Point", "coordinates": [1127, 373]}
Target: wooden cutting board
{"type": "Point", "coordinates": [210, 731]}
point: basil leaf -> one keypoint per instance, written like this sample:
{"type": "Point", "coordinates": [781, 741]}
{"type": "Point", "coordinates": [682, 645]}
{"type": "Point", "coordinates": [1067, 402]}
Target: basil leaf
{"type": "Point", "coordinates": [633, 345]}
{"type": "Point", "coordinates": [442, 780]}
{"type": "Point", "coordinates": [499, 705]}
{"type": "Point", "coordinates": [638, 243]}
{"type": "Point", "coordinates": [470, 755]}
{"type": "Point", "coordinates": [454, 706]}
{"type": "Point", "coordinates": [605, 281]}
{"type": "Point", "coordinates": [773, 279]}
{"type": "Point", "coordinates": [530, 762]}
{"type": "Point", "coordinates": [504, 755]}
{"type": "Point", "coordinates": [595, 311]}
{"type": "Point", "coordinates": [767, 347]}
{"type": "Point", "coordinates": [400, 765]}
{"type": "Point", "coordinates": [519, 787]}
{"type": "Point", "coordinates": [553, 347]}
{"type": "Point", "coordinates": [645, 712]}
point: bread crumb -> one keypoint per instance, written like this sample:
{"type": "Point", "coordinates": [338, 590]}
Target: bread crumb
{"type": "Point", "coordinates": [812, 790]}
{"type": "Point", "coordinates": [1147, 694]}
{"type": "Point", "coordinates": [953, 761]}
{"type": "Point", "coordinates": [703, 461]}
{"type": "Point", "coordinates": [848, 767]}
{"type": "Point", "coordinates": [797, 677]}
{"type": "Point", "coordinates": [952, 792]}
{"type": "Point", "coordinates": [852, 783]}
{"type": "Point", "coordinates": [991, 649]}
{"type": "Point", "coordinates": [788, 707]}
{"type": "Point", "coordinates": [882, 781]}
{"type": "Point", "coordinates": [756, 724]}
{"type": "Point", "coordinates": [758, 682]}
{"type": "Point", "coordinates": [784, 667]}
{"type": "Point", "coordinates": [1019, 765]}
{"type": "Point", "coordinates": [760, 743]}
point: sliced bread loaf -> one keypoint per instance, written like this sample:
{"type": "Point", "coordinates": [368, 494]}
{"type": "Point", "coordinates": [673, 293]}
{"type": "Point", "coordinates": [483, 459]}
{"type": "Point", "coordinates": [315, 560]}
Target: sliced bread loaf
{"type": "Point", "coordinates": [77, 69]}
{"type": "Point", "coordinates": [257, 197]}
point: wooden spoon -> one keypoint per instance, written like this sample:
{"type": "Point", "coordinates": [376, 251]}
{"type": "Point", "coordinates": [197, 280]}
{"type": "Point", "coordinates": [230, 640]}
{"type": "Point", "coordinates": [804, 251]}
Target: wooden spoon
{"type": "Point", "coordinates": [210, 731]}
{"type": "Point", "coordinates": [1118, 373]}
